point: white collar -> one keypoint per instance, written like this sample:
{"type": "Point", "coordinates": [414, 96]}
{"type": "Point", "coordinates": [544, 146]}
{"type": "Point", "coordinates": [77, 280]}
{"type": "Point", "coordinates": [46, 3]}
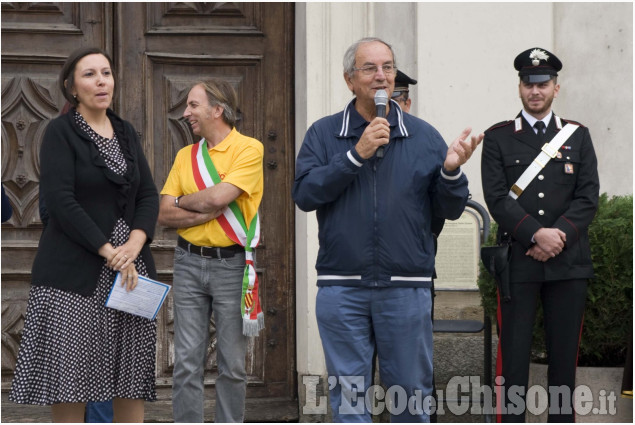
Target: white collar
{"type": "Point", "coordinates": [533, 120]}
{"type": "Point", "coordinates": [345, 130]}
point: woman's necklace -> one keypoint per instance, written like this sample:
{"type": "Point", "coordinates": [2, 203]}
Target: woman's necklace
{"type": "Point", "coordinates": [100, 124]}
{"type": "Point", "coordinates": [103, 129]}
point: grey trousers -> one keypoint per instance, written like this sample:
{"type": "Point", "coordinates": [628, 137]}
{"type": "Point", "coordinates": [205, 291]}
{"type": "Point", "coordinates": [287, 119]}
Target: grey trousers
{"type": "Point", "coordinates": [203, 286]}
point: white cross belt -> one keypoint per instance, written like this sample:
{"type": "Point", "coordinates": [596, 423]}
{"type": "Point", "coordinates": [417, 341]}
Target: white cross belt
{"type": "Point", "coordinates": [548, 151]}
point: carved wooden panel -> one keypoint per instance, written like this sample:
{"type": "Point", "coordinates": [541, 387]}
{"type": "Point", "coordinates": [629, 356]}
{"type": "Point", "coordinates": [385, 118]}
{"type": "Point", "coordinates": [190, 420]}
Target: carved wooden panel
{"type": "Point", "coordinates": [12, 325]}
{"type": "Point", "coordinates": [204, 18]}
{"type": "Point", "coordinates": [28, 104]}
{"type": "Point", "coordinates": [49, 29]}
{"type": "Point", "coordinates": [14, 299]}
{"type": "Point", "coordinates": [46, 17]}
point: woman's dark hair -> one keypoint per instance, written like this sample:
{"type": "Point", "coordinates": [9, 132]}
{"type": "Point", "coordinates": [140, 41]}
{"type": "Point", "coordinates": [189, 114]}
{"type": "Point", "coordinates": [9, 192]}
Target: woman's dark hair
{"type": "Point", "coordinates": [68, 70]}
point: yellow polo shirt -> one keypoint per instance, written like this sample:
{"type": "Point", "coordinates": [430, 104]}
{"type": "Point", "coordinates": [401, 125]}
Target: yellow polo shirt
{"type": "Point", "coordinates": [238, 160]}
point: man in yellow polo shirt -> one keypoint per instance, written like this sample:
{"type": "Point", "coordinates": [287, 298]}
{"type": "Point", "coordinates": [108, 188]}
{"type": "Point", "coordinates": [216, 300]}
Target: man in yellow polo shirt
{"type": "Point", "coordinates": [224, 169]}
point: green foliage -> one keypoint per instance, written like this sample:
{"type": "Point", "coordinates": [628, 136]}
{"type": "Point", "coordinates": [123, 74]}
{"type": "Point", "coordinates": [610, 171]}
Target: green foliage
{"type": "Point", "coordinates": [609, 307]}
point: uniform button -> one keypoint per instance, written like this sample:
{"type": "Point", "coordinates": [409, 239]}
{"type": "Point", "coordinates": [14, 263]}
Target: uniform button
{"type": "Point", "coordinates": [518, 161]}
{"type": "Point", "coordinates": [541, 195]}
{"type": "Point", "coordinates": [568, 157]}
{"type": "Point", "coordinates": [541, 177]}
{"type": "Point", "coordinates": [541, 212]}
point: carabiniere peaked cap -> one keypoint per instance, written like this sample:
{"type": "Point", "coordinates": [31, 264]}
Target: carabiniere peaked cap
{"type": "Point", "coordinates": [402, 80]}
{"type": "Point", "coordinates": [537, 65]}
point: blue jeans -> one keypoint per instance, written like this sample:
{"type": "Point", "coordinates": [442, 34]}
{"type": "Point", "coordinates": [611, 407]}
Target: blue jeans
{"type": "Point", "coordinates": [203, 286]}
{"type": "Point", "coordinates": [352, 321]}
{"type": "Point", "coordinates": [99, 412]}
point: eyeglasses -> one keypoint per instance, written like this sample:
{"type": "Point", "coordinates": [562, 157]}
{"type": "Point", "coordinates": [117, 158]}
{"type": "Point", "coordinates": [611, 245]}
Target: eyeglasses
{"type": "Point", "coordinates": [372, 69]}
{"type": "Point", "coordinates": [398, 93]}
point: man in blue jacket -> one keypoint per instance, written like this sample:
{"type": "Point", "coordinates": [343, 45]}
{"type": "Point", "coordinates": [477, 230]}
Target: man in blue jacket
{"type": "Point", "coordinates": [376, 255]}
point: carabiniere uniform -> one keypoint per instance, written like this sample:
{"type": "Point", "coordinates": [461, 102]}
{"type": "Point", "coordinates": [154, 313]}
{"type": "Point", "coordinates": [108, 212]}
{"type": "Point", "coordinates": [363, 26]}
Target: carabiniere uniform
{"type": "Point", "coordinates": [564, 195]}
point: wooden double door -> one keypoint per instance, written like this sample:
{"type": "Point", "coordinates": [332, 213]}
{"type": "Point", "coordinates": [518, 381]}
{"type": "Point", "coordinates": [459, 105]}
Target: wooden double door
{"type": "Point", "coordinates": [159, 51]}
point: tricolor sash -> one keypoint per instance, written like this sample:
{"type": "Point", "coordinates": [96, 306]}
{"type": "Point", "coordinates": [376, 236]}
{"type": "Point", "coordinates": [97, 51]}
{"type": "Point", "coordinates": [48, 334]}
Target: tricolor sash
{"type": "Point", "coordinates": [233, 224]}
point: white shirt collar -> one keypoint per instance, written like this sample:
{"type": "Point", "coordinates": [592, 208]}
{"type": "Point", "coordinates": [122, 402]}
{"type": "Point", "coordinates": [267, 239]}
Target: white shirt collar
{"type": "Point", "coordinates": [532, 120]}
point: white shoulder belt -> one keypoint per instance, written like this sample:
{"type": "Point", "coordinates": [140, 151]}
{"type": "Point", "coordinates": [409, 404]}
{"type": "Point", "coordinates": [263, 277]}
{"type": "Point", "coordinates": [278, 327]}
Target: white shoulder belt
{"type": "Point", "coordinates": [548, 151]}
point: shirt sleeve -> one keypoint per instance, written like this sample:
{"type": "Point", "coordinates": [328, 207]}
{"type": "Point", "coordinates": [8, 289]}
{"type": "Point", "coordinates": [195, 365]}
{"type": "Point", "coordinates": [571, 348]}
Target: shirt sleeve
{"type": "Point", "coordinates": [320, 179]}
{"type": "Point", "coordinates": [246, 170]}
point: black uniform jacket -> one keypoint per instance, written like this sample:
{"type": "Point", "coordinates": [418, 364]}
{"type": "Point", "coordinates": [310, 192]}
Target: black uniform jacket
{"type": "Point", "coordinates": [564, 195]}
{"type": "Point", "coordinates": [85, 199]}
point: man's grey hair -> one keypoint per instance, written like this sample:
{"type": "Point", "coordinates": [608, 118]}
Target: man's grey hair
{"type": "Point", "coordinates": [221, 92]}
{"type": "Point", "coordinates": [349, 56]}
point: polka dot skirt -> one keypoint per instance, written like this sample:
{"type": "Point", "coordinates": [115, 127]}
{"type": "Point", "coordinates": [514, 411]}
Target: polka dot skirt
{"type": "Point", "coordinates": [74, 349]}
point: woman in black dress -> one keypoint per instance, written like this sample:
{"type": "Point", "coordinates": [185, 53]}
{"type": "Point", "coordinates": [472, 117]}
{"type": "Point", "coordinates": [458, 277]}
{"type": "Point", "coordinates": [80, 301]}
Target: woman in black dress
{"type": "Point", "coordinates": [102, 205]}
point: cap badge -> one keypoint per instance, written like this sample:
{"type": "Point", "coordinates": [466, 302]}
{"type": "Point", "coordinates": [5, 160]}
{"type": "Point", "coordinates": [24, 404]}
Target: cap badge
{"type": "Point", "coordinates": [537, 55]}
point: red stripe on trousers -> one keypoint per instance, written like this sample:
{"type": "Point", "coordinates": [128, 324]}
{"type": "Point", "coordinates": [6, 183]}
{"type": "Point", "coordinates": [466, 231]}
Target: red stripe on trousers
{"type": "Point", "coordinates": [577, 354]}
{"type": "Point", "coordinates": [499, 361]}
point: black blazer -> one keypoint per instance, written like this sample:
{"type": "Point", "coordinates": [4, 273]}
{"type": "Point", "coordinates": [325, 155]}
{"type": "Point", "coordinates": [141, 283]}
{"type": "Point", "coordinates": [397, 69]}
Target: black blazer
{"type": "Point", "coordinates": [564, 196]}
{"type": "Point", "coordinates": [85, 199]}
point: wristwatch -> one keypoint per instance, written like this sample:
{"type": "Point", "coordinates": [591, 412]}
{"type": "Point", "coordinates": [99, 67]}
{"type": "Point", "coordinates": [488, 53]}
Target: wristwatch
{"type": "Point", "coordinates": [176, 201]}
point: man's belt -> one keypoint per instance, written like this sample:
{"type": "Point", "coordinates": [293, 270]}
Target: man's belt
{"type": "Point", "coordinates": [210, 251]}
{"type": "Point", "coordinates": [548, 151]}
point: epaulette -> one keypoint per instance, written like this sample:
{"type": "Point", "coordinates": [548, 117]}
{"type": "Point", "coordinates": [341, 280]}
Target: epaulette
{"type": "Point", "coordinates": [500, 124]}
{"type": "Point", "coordinates": [573, 122]}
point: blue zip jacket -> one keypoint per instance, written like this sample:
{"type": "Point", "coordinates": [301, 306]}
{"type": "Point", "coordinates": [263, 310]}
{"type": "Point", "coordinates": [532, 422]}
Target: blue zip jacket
{"type": "Point", "coordinates": [374, 215]}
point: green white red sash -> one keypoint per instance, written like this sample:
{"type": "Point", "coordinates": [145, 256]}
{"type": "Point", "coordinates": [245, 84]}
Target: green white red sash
{"type": "Point", "coordinates": [233, 224]}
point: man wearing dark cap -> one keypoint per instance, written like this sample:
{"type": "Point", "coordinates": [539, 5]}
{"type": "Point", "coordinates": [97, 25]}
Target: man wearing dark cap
{"type": "Point", "coordinates": [540, 181]}
{"type": "Point", "coordinates": [402, 88]}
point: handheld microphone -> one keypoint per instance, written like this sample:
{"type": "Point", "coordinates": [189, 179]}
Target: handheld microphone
{"type": "Point", "coordinates": [381, 99]}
